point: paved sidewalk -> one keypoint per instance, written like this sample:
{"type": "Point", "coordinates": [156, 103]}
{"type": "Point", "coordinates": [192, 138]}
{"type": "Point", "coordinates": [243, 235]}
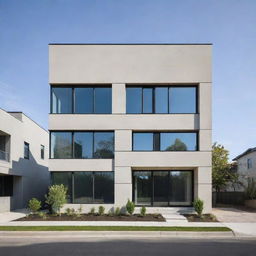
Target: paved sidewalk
{"type": "Point", "coordinates": [234, 215]}
{"type": "Point", "coordinates": [6, 217]}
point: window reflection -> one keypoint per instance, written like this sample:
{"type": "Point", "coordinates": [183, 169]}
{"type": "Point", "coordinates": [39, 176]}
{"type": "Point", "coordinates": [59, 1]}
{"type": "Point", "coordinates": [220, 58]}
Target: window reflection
{"type": "Point", "coordinates": [103, 145]}
{"type": "Point", "coordinates": [61, 100]}
{"type": "Point", "coordinates": [143, 141]}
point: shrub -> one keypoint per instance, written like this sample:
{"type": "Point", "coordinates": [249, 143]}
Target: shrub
{"type": "Point", "coordinates": [42, 215]}
{"type": "Point", "coordinates": [250, 190]}
{"type": "Point", "coordinates": [101, 210]}
{"type": "Point", "coordinates": [56, 197]}
{"type": "Point", "coordinates": [111, 212]}
{"type": "Point", "coordinates": [92, 211]}
{"type": "Point", "coordinates": [143, 211]}
{"type": "Point", "coordinates": [34, 205]}
{"type": "Point", "coordinates": [70, 211]}
{"type": "Point", "coordinates": [117, 211]}
{"type": "Point", "coordinates": [199, 206]}
{"type": "Point", "coordinates": [130, 207]}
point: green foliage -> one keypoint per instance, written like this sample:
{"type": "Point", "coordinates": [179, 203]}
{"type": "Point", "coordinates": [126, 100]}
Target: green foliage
{"type": "Point", "coordinates": [250, 190]}
{"type": "Point", "coordinates": [143, 211]}
{"type": "Point", "coordinates": [117, 211]}
{"type": "Point", "coordinates": [177, 146]}
{"type": "Point", "coordinates": [56, 197]}
{"type": "Point", "coordinates": [34, 205]}
{"type": "Point", "coordinates": [92, 211]}
{"type": "Point", "coordinates": [199, 206]}
{"type": "Point", "coordinates": [70, 211]}
{"type": "Point", "coordinates": [101, 210]}
{"type": "Point", "coordinates": [222, 173]}
{"type": "Point", "coordinates": [130, 207]}
{"type": "Point", "coordinates": [42, 215]}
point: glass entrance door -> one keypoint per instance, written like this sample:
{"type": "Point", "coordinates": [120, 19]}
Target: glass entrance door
{"type": "Point", "coordinates": [160, 188]}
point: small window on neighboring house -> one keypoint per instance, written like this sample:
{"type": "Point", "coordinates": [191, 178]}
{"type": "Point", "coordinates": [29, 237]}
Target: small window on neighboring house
{"type": "Point", "coordinates": [42, 151]}
{"type": "Point", "coordinates": [26, 150]}
{"type": "Point", "coordinates": [249, 163]}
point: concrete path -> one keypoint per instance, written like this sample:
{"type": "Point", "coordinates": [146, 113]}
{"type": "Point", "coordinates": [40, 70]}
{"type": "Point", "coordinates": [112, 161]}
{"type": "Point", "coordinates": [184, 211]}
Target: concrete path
{"type": "Point", "coordinates": [234, 215]}
{"type": "Point", "coordinates": [6, 217]}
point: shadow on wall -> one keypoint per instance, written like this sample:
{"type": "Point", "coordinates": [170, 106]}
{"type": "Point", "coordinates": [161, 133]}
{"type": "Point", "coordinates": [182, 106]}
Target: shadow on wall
{"type": "Point", "coordinates": [33, 181]}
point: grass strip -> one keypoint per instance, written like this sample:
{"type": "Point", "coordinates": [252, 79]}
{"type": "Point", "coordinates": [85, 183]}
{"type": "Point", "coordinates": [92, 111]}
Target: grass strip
{"type": "Point", "coordinates": [112, 228]}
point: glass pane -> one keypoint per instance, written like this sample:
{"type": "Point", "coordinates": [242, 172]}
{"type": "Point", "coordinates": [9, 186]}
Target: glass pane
{"type": "Point", "coordinates": [61, 100]}
{"type": "Point", "coordinates": [147, 100]}
{"type": "Point", "coordinates": [133, 100]}
{"type": "Point", "coordinates": [103, 187]}
{"type": "Point", "coordinates": [182, 100]}
{"type": "Point", "coordinates": [83, 144]}
{"type": "Point", "coordinates": [83, 187]}
{"type": "Point", "coordinates": [142, 188]}
{"type": "Point", "coordinates": [61, 145]}
{"type": "Point", "coordinates": [161, 100]}
{"type": "Point", "coordinates": [180, 188]}
{"type": "Point", "coordinates": [103, 101]}
{"type": "Point", "coordinates": [160, 197]}
{"type": "Point", "coordinates": [178, 141]}
{"type": "Point", "coordinates": [103, 145]}
{"type": "Point", "coordinates": [64, 178]}
{"type": "Point", "coordinates": [84, 100]}
{"type": "Point", "coordinates": [143, 141]}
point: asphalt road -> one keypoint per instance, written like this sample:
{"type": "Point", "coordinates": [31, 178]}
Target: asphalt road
{"type": "Point", "coordinates": [26, 246]}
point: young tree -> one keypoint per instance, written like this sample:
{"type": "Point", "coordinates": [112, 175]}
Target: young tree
{"type": "Point", "coordinates": [222, 175]}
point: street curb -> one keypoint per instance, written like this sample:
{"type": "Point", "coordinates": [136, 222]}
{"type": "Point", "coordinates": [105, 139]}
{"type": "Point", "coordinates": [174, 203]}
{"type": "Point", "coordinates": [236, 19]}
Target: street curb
{"type": "Point", "coordinates": [117, 234]}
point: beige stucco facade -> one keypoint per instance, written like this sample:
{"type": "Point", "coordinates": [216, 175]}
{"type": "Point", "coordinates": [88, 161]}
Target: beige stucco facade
{"type": "Point", "coordinates": [30, 176]}
{"type": "Point", "coordinates": [122, 65]}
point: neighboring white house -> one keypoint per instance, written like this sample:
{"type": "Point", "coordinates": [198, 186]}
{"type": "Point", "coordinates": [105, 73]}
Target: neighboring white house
{"type": "Point", "coordinates": [246, 165]}
{"type": "Point", "coordinates": [23, 160]}
{"type": "Point", "coordinates": [131, 122]}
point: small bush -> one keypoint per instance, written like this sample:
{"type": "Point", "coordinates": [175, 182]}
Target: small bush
{"type": "Point", "coordinates": [56, 197]}
{"type": "Point", "coordinates": [130, 207]}
{"type": "Point", "coordinates": [42, 215]}
{"type": "Point", "coordinates": [70, 211]}
{"type": "Point", "coordinates": [101, 210]}
{"type": "Point", "coordinates": [143, 211]}
{"type": "Point", "coordinates": [34, 205]}
{"type": "Point", "coordinates": [199, 206]}
{"type": "Point", "coordinates": [111, 212]}
{"type": "Point", "coordinates": [92, 211]}
{"type": "Point", "coordinates": [117, 211]}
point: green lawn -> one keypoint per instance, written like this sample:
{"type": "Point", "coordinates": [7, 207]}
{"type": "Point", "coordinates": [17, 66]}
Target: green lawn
{"type": "Point", "coordinates": [111, 228]}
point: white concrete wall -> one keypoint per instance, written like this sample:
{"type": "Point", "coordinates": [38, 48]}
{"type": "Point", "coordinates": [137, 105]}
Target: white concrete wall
{"type": "Point", "coordinates": [120, 65]}
{"type": "Point", "coordinates": [5, 203]}
{"type": "Point", "coordinates": [31, 175]}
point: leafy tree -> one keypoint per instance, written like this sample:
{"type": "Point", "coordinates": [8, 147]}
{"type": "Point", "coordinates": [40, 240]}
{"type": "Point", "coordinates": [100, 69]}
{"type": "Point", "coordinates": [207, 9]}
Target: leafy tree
{"type": "Point", "coordinates": [222, 174]}
{"type": "Point", "coordinates": [177, 146]}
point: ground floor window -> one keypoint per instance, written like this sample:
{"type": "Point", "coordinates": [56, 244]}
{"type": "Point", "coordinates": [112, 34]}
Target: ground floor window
{"type": "Point", "coordinates": [6, 185]}
{"type": "Point", "coordinates": [87, 187]}
{"type": "Point", "coordinates": [163, 188]}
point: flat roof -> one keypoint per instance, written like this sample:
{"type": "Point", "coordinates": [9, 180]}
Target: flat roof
{"type": "Point", "coordinates": [129, 44]}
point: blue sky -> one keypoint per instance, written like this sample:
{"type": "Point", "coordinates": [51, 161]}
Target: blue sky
{"type": "Point", "coordinates": [27, 26]}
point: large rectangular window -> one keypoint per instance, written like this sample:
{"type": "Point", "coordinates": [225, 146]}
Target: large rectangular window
{"type": "Point", "coordinates": [165, 141]}
{"type": "Point", "coordinates": [79, 145]}
{"type": "Point", "coordinates": [6, 185]}
{"type": "Point", "coordinates": [163, 188]}
{"type": "Point", "coordinates": [161, 100]}
{"type": "Point", "coordinates": [87, 187]}
{"type": "Point", "coordinates": [81, 100]}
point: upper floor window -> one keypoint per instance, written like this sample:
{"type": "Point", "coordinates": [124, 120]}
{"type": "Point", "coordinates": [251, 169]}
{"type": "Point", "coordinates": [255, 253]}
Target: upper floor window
{"type": "Point", "coordinates": [165, 141]}
{"type": "Point", "coordinates": [81, 100]}
{"type": "Point", "coordinates": [26, 150]}
{"type": "Point", "coordinates": [79, 145]}
{"type": "Point", "coordinates": [249, 163]}
{"type": "Point", "coordinates": [42, 151]}
{"type": "Point", "coordinates": [161, 100]}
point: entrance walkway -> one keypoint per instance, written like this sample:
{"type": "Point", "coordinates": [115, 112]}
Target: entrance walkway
{"type": "Point", "coordinates": [10, 216]}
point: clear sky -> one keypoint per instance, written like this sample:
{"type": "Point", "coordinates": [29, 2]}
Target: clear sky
{"type": "Point", "coordinates": [27, 26]}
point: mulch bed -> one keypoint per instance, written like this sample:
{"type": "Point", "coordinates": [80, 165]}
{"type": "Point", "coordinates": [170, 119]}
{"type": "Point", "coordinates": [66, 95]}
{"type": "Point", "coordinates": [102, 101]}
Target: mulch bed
{"type": "Point", "coordinates": [204, 218]}
{"type": "Point", "coordinates": [90, 217]}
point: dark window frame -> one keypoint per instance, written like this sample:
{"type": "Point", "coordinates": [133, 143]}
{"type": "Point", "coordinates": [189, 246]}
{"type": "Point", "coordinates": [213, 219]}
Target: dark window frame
{"type": "Point", "coordinates": [72, 141]}
{"type": "Point", "coordinates": [152, 185]}
{"type": "Point", "coordinates": [249, 163]}
{"type": "Point", "coordinates": [26, 144]}
{"type": "Point", "coordinates": [157, 141]}
{"type": "Point", "coordinates": [42, 153]}
{"type": "Point", "coordinates": [93, 186]}
{"type": "Point", "coordinates": [154, 86]}
{"type": "Point", "coordinates": [73, 87]}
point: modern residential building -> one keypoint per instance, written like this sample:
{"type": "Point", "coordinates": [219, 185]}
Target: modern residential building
{"type": "Point", "coordinates": [246, 166]}
{"type": "Point", "coordinates": [23, 160]}
{"type": "Point", "coordinates": [131, 122]}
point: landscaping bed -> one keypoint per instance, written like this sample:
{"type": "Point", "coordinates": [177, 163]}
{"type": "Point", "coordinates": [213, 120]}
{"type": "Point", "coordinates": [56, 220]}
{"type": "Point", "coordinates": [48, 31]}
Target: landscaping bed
{"type": "Point", "coordinates": [91, 217]}
{"type": "Point", "coordinates": [203, 218]}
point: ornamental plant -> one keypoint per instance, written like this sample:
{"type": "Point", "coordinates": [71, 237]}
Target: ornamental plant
{"type": "Point", "coordinates": [143, 211]}
{"type": "Point", "coordinates": [130, 207]}
{"type": "Point", "coordinates": [34, 205]}
{"type": "Point", "coordinates": [199, 206]}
